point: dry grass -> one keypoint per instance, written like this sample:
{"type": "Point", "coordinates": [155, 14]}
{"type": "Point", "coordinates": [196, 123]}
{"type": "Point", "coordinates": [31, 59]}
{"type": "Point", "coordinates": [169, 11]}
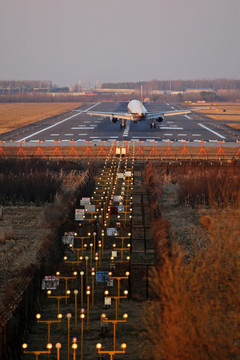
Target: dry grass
{"type": "Point", "coordinates": [13, 116]}
{"type": "Point", "coordinates": [234, 125]}
{"type": "Point", "coordinates": [223, 111]}
{"type": "Point", "coordinates": [196, 310]}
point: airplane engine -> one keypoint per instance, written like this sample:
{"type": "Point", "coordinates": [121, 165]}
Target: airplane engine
{"type": "Point", "coordinates": [114, 120]}
{"type": "Point", "coordinates": [159, 119]}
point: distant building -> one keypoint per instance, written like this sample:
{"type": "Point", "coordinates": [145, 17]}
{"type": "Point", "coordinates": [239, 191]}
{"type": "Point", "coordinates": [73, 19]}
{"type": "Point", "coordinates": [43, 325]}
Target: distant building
{"type": "Point", "coordinates": [198, 91]}
{"type": "Point", "coordinates": [166, 92]}
{"type": "Point", "coordinates": [116, 91]}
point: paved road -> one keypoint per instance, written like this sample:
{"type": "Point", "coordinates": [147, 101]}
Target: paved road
{"type": "Point", "coordinates": [81, 127]}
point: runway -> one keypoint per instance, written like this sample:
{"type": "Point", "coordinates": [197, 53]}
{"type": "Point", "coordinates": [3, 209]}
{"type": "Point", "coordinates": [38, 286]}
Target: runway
{"type": "Point", "coordinates": [79, 127]}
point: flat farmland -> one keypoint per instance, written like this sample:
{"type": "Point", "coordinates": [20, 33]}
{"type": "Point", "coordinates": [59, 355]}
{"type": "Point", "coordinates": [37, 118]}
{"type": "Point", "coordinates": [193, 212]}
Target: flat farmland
{"type": "Point", "coordinates": [16, 115]}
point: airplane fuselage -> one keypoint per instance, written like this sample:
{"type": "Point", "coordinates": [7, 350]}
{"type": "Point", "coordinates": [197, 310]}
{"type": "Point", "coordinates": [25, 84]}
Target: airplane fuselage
{"type": "Point", "coordinates": [137, 109]}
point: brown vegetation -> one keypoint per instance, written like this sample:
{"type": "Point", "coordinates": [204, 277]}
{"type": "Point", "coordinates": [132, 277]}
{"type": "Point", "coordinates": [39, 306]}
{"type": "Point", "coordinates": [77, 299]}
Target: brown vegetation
{"type": "Point", "coordinates": [33, 242]}
{"type": "Point", "coordinates": [234, 125]}
{"type": "Point", "coordinates": [13, 116]}
{"type": "Point", "coordinates": [212, 184]}
{"type": "Point", "coordinates": [196, 309]}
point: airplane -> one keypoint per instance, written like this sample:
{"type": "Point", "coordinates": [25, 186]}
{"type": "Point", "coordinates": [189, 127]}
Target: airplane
{"type": "Point", "coordinates": [138, 112]}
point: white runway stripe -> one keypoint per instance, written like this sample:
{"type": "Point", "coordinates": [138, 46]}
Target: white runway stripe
{"type": "Point", "coordinates": [58, 123]}
{"type": "Point", "coordinates": [214, 132]}
{"type": "Point", "coordinates": [170, 128]}
{"type": "Point", "coordinates": [83, 128]}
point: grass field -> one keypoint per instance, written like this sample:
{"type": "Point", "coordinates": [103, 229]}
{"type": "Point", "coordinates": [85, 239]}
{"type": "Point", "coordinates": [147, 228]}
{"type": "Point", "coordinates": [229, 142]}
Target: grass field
{"type": "Point", "coordinates": [16, 115]}
{"type": "Point", "coordinates": [224, 112]}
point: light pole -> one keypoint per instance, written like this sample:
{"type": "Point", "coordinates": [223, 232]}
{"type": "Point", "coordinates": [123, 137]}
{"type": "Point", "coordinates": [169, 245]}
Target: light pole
{"type": "Point", "coordinates": [68, 320]}
{"type": "Point", "coordinates": [58, 297]}
{"type": "Point", "coordinates": [93, 275]}
{"type": "Point", "coordinates": [49, 322]}
{"type": "Point", "coordinates": [81, 273]}
{"type": "Point", "coordinates": [116, 298]}
{"type": "Point", "coordinates": [74, 347]}
{"type": "Point", "coordinates": [120, 261]}
{"type": "Point", "coordinates": [37, 352]}
{"type": "Point", "coordinates": [91, 251]}
{"type": "Point", "coordinates": [66, 278]}
{"type": "Point", "coordinates": [58, 347]}
{"type": "Point", "coordinates": [100, 255]}
{"type": "Point", "coordinates": [82, 316]}
{"type": "Point", "coordinates": [119, 278]}
{"type": "Point", "coordinates": [103, 244]}
{"type": "Point", "coordinates": [114, 322]}
{"type": "Point", "coordinates": [111, 352]}
{"type": "Point", "coordinates": [86, 259]}
{"type": "Point", "coordinates": [94, 242]}
{"type": "Point", "coordinates": [122, 249]}
{"type": "Point", "coordinates": [88, 292]}
{"type": "Point", "coordinates": [96, 261]}
{"type": "Point", "coordinates": [78, 261]}
{"type": "Point", "coordinates": [75, 293]}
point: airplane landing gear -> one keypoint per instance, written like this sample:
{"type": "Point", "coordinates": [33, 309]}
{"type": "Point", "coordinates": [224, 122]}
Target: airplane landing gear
{"type": "Point", "coordinates": [123, 125]}
{"type": "Point", "coordinates": [152, 125]}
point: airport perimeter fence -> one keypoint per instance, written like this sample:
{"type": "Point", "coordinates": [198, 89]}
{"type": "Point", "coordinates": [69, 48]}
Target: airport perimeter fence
{"type": "Point", "coordinates": [133, 149]}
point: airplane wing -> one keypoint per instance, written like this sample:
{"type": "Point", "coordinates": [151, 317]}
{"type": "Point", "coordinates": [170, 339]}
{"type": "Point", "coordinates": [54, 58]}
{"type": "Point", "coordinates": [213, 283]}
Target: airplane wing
{"type": "Point", "coordinates": [152, 116]}
{"type": "Point", "coordinates": [118, 115]}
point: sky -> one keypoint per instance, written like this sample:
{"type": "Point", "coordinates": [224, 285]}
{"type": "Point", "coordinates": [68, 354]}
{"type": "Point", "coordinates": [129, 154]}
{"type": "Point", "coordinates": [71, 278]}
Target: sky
{"type": "Point", "coordinates": [67, 41]}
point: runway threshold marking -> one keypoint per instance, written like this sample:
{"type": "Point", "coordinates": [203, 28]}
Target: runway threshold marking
{"type": "Point", "coordinates": [214, 132]}
{"type": "Point", "coordinates": [58, 123]}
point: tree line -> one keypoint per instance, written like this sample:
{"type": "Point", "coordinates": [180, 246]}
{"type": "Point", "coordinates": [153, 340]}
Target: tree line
{"type": "Point", "coordinates": [177, 85]}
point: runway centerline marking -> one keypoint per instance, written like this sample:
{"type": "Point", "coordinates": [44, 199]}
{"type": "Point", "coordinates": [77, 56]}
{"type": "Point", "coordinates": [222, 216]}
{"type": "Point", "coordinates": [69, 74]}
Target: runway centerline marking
{"type": "Point", "coordinates": [58, 123]}
{"type": "Point", "coordinates": [126, 131]}
{"type": "Point", "coordinates": [170, 128]}
{"type": "Point", "coordinates": [83, 128]}
{"type": "Point", "coordinates": [214, 132]}
{"type": "Point", "coordinates": [188, 117]}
